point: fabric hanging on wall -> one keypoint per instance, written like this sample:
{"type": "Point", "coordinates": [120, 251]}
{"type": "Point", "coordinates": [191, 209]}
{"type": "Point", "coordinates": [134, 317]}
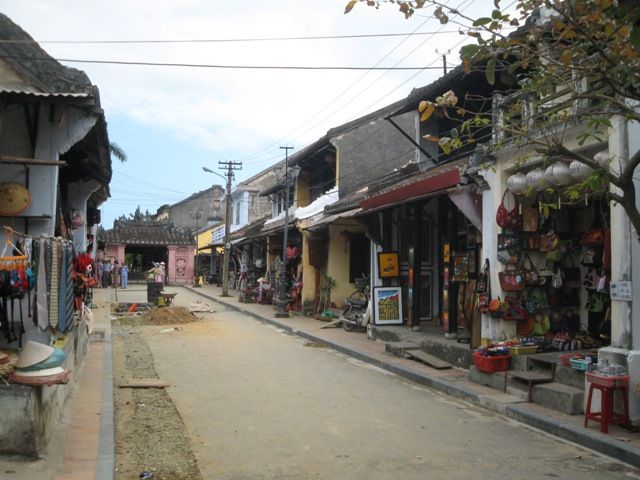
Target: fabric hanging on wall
{"type": "Point", "coordinates": [54, 289]}
{"type": "Point", "coordinates": [41, 310]}
{"type": "Point", "coordinates": [65, 301]}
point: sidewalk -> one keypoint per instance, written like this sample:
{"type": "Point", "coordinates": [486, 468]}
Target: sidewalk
{"type": "Point", "coordinates": [82, 443]}
{"type": "Point", "coordinates": [618, 443]}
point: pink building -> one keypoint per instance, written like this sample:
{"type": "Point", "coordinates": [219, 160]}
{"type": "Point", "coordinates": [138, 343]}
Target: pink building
{"type": "Point", "coordinates": [140, 243]}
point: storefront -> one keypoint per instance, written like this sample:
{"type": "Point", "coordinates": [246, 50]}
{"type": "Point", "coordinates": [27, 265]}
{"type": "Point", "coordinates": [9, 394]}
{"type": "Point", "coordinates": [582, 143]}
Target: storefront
{"type": "Point", "coordinates": [426, 248]}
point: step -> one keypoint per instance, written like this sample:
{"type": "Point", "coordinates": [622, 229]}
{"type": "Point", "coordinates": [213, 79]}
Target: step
{"type": "Point", "coordinates": [493, 380]}
{"type": "Point", "coordinates": [399, 349]}
{"type": "Point", "coordinates": [427, 359]}
{"type": "Point", "coordinates": [560, 397]}
{"type": "Point", "coordinates": [570, 376]}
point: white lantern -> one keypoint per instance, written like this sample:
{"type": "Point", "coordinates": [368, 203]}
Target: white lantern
{"type": "Point", "coordinates": [558, 174]}
{"type": "Point", "coordinates": [602, 158]}
{"type": "Point", "coordinates": [579, 171]}
{"type": "Point", "coordinates": [517, 183]}
{"type": "Point", "coordinates": [535, 180]}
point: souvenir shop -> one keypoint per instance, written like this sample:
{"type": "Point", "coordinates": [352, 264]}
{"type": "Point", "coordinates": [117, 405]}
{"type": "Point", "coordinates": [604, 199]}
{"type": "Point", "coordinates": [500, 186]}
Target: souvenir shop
{"type": "Point", "coordinates": [553, 261]}
{"type": "Point", "coordinates": [45, 291]}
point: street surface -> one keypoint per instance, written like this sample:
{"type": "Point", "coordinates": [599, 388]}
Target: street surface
{"type": "Point", "coordinates": [261, 404]}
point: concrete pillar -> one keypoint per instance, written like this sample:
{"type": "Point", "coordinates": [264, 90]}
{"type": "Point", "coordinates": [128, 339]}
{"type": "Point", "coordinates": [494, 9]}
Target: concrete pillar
{"type": "Point", "coordinates": [621, 240]}
{"type": "Point", "coordinates": [493, 328]}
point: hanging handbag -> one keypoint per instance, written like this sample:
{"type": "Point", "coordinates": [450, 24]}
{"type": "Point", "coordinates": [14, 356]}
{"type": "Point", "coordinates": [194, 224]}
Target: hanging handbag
{"type": "Point", "coordinates": [511, 279]}
{"type": "Point", "coordinates": [557, 279]}
{"type": "Point", "coordinates": [482, 285]}
{"type": "Point", "coordinates": [508, 247]}
{"type": "Point", "coordinates": [595, 302]}
{"type": "Point", "coordinates": [592, 257]}
{"type": "Point", "coordinates": [549, 241]}
{"type": "Point", "coordinates": [591, 280]}
{"type": "Point", "coordinates": [530, 219]}
{"type": "Point", "coordinates": [536, 300]}
{"type": "Point", "coordinates": [509, 219]}
{"type": "Point", "coordinates": [593, 238]}
{"type": "Point", "coordinates": [531, 243]}
{"type": "Point", "coordinates": [531, 276]}
{"type": "Point", "coordinates": [562, 220]}
{"type": "Point", "coordinates": [516, 309]}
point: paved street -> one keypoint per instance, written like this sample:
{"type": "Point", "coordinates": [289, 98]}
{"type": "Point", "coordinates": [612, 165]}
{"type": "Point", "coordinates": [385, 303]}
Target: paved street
{"type": "Point", "coordinates": [262, 404]}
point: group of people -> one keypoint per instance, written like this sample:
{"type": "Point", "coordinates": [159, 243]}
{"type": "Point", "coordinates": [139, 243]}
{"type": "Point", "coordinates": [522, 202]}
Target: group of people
{"type": "Point", "coordinates": [108, 272]}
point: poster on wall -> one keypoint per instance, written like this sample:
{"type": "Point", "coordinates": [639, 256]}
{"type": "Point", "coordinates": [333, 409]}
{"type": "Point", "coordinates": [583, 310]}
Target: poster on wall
{"type": "Point", "coordinates": [388, 265]}
{"type": "Point", "coordinates": [387, 305]}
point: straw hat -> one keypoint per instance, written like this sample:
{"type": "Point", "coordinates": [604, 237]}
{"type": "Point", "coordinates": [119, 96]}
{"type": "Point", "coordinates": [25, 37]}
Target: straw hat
{"type": "Point", "coordinates": [40, 373]}
{"type": "Point", "coordinates": [14, 198]}
{"type": "Point", "coordinates": [54, 360]}
{"type": "Point", "coordinates": [32, 353]}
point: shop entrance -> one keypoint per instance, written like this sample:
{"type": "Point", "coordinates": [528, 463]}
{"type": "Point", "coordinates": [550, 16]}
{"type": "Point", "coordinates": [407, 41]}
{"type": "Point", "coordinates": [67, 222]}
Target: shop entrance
{"type": "Point", "coordinates": [141, 259]}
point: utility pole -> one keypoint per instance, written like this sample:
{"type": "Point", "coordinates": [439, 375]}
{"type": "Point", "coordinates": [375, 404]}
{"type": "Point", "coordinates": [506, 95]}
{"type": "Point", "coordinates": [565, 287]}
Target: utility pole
{"type": "Point", "coordinates": [282, 294]}
{"type": "Point", "coordinates": [197, 215]}
{"type": "Point", "coordinates": [229, 166]}
{"type": "Point", "coordinates": [444, 59]}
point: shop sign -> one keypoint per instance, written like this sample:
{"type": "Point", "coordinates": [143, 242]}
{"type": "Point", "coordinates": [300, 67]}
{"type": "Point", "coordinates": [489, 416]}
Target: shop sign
{"type": "Point", "coordinates": [621, 291]}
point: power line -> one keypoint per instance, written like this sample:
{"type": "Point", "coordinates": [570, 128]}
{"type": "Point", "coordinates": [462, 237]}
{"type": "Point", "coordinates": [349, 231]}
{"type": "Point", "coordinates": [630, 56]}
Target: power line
{"type": "Point", "coordinates": [205, 65]}
{"type": "Point", "coordinates": [221, 40]}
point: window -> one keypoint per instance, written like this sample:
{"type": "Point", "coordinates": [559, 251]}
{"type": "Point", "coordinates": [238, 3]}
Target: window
{"type": "Point", "coordinates": [359, 260]}
{"type": "Point", "coordinates": [279, 201]}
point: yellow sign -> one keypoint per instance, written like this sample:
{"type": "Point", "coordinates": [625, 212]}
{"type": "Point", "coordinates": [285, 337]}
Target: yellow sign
{"type": "Point", "coordinates": [388, 264]}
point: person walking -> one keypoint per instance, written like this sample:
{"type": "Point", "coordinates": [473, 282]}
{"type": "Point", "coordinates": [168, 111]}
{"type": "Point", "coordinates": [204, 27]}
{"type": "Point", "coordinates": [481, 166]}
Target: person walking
{"type": "Point", "coordinates": [99, 273]}
{"type": "Point", "coordinates": [124, 275]}
{"type": "Point", "coordinates": [106, 273]}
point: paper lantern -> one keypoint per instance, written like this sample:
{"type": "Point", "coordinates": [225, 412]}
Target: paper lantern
{"type": "Point", "coordinates": [579, 171]}
{"type": "Point", "coordinates": [602, 158]}
{"type": "Point", "coordinates": [558, 174]}
{"type": "Point", "coordinates": [517, 183]}
{"type": "Point", "coordinates": [535, 180]}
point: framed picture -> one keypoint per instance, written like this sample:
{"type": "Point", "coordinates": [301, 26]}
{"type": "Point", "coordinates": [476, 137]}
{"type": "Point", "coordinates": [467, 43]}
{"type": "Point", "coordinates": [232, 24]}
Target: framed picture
{"type": "Point", "coordinates": [387, 305]}
{"type": "Point", "coordinates": [388, 265]}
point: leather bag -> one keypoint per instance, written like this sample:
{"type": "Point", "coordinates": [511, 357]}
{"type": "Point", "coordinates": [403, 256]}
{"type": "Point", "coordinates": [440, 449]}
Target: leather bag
{"type": "Point", "coordinates": [511, 279]}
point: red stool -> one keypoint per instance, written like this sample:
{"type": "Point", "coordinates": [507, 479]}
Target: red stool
{"type": "Point", "coordinates": [607, 386]}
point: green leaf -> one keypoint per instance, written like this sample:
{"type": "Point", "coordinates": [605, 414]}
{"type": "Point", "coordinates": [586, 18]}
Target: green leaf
{"type": "Point", "coordinates": [496, 14]}
{"type": "Point", "coordinates": [634, 37]}
{"type": "Point", "coordinates": [469, 51]}
{"type": "Point", "coordinates": [482, 21]}
{"type": "Point", "coordinates": [490, 71]}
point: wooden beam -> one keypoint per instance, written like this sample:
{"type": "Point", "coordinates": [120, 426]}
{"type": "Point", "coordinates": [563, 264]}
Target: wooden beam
{"type": "Point", "coordinates": [30, 161]}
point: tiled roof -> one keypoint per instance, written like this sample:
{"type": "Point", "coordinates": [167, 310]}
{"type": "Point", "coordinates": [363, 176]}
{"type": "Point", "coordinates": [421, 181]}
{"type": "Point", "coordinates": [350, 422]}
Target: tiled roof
{"type": "Point", "coordinates": [132, 232]}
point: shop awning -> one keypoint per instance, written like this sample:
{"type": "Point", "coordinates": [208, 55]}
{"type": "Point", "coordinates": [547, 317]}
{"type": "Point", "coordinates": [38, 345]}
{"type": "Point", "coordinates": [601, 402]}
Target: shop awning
{"type": "Point", "coordinates": [431, 184]}
{"type": "Point", "coordinates": [326, 220]}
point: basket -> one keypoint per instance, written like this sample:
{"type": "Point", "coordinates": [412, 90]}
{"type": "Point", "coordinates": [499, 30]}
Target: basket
{"type": "Point", "coordinates": [523, 349]}
{"type": "Point", "coordinates": [566, 358]}
{"type": "Point", "coordinates": [579, 364]}
{"type": "Point", "coordinates": [497, 363]}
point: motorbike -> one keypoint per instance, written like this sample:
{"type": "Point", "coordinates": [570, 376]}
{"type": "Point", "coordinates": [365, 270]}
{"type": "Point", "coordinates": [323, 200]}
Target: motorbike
{"type": "Point", "coordinates": [357, 310]}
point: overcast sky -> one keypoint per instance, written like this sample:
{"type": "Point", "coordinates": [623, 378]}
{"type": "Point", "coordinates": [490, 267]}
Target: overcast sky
{"type": "Point", "coordinates": [172, 121]}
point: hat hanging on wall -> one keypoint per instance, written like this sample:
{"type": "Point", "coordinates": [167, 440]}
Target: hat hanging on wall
{"type": "Point", "coordinates": [32, 353]}
{"type": "Point", "coordinates": [14, 198]}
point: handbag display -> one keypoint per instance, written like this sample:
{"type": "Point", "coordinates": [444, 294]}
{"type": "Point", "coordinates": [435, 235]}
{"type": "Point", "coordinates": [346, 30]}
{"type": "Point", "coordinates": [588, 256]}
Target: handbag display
{"type": "Point", "coordinates": [509, 219]}
{"type": "Point", "coordinates": [531, 276]}
{"type": "Point", "coordinates": [511, 279]}
{"type": "Point", "coordinates": [508, 247]}
{"type": "Point", "coordinates": [482, 285]}
{"type": "Point", "coordinates": [572, 274]}
{"type": "Point", "coordinates": [531, 243]}
{"type": "Point", "coordinates": [595, 302]}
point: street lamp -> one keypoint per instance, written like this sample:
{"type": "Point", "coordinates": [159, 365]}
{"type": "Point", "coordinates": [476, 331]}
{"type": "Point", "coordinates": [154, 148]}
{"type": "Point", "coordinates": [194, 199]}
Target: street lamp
{"type": "Point", "coordinates": [197, 216]}
{"type": "Point", "coordinates": [281, 303]}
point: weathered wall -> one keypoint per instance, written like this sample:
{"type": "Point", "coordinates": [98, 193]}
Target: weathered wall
{"type": "Point", "coordinates": [183, 214]}
{"type": "Point", "coordinates": [372, 151]}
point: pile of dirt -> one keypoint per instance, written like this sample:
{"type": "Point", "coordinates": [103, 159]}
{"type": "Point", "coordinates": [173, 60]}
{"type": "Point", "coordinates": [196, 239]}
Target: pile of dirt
{"type": "Point", "coordinates": [160, 316]}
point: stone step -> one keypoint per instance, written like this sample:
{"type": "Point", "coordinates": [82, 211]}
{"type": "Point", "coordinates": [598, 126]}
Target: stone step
{"type": "Point", "coordinates": [427, 359]}
{"type": "Point", "coordinates": [570, 376]}
{"type": "Point", "coordinates": [399, 349]}
{"type": "Point", "coordinates": [493, 380]}
{"type": "Point", "coordinates": [560, 397]}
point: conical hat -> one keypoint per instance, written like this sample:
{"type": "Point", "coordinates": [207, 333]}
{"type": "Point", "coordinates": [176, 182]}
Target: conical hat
{"type": "Point", "coordinates": [32, 353]}
{"type": "Point", "coordinates": [41, 373]}
{"type": "Point", "coordinates": [56, 359]}
{"type": "Point", "coordinates": [14, 198]}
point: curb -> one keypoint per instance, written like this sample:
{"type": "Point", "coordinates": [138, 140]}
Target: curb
{"type": "Point", "coordinates": [105, 467]}
{"type": "Point", "coordinates": [517, 411]}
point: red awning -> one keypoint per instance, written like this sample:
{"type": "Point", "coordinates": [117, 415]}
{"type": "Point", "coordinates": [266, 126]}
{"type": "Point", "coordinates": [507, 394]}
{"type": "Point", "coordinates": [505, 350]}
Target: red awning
{"type": "Point", "coordinates": [424, 187]}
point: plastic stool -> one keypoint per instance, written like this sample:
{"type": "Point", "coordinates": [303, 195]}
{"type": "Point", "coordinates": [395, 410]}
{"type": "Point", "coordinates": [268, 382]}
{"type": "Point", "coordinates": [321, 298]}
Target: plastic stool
{"type": "Point", "coordinates": [607, 387]}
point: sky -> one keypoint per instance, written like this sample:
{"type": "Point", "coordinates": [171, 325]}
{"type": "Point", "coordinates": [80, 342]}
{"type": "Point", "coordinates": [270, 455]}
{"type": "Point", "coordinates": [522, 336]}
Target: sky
{"type": "Point", "coordinates": [171, 121]}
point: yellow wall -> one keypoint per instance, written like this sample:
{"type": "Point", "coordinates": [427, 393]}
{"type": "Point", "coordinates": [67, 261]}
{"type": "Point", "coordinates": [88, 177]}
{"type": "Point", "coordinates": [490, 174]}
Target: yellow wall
{"type": "Point", "coordinates": [338, 261]}
{"type": "Point", "coordinates": [308, 272]}
{"type": "Point", "coordinates": [302, 195]}
{"type": "Point", "coordinates": [204, 238]}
